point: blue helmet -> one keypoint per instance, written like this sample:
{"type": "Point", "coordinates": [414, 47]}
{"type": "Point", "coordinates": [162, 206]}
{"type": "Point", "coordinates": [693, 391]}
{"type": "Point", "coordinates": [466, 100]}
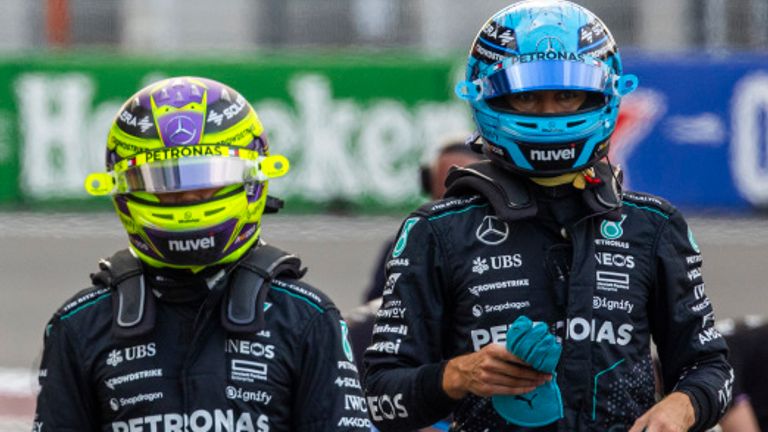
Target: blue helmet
{"type": "Point", "coordinates": [545, 45]}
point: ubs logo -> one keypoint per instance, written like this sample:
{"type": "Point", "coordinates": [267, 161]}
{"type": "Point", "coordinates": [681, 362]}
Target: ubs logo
{"type": "Point", "coordinates": [117, 356]}
{"type": "Point", "coordinates": [492, 231]}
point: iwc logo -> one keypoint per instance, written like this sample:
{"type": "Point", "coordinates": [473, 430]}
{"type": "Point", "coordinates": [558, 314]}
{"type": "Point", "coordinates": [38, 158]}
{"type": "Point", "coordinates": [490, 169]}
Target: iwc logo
{"type": "Point", "coordinates": [492, 231]}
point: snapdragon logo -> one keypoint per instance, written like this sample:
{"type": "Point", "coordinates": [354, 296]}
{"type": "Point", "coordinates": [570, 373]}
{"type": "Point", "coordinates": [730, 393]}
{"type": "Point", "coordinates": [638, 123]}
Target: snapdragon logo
{"type": "Point", "coordinates": [116, 403]}
{"type": "Point", "coordinates": [197, 421]}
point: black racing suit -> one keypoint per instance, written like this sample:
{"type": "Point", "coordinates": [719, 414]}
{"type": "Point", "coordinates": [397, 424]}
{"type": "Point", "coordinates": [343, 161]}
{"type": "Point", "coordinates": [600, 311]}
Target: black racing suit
{"type": "Point", "coordinates": [189, 374]}
{"type": "Point", "coordinates": [458, 276]}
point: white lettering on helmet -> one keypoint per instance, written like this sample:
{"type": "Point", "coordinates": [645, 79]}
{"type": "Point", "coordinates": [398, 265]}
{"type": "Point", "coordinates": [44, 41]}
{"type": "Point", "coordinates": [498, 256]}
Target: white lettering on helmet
{"type": "Point", "coordinates": [191, 244]}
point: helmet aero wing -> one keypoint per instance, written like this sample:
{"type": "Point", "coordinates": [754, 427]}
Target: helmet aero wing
{"type": "Point", "coordinates": [186, 134]}
{"type": "Point", "coordinates": [545, 45]}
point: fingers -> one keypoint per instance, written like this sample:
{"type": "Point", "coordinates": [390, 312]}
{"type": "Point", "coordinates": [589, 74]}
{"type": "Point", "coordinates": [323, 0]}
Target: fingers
{"type": "Point", "coordinates": [514, 370]}
{"type": "Point", "coordinates": [494, 371]}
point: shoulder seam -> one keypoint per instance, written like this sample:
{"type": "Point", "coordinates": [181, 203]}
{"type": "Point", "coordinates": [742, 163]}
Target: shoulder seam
{"type": "Point", "coordinates": [647, 208]}
{"type": "Point", "coordinates": [292, 293]}
{"type": "Point", "coordinates": [453, 212]}
{"type": "Point", "coordinates": [84, 306]}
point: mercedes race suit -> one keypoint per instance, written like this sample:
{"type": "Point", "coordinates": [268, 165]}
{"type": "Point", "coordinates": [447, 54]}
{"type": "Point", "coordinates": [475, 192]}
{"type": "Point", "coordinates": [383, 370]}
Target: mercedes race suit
{"type": "Point", "coordinates": [189, 374]}
{"type": "Point", "coordinates": [459, 275]}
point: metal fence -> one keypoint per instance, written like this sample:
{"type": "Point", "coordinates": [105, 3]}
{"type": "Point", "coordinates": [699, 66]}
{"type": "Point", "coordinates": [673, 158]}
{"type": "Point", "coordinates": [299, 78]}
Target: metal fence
{"type": "Point", "coordinates": [155, 26]}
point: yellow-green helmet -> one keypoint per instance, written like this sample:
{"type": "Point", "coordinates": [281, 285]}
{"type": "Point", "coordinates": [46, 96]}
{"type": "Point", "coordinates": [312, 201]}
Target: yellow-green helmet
{"type": "Point", "coordinates": [182, 134]}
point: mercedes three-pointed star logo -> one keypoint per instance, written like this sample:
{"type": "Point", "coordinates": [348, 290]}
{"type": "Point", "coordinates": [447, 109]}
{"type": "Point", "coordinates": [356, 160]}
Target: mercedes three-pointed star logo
{"type": "Point", "coordinates": [182, 130]}
{"type": "Point", "coordinates": [492, 231]}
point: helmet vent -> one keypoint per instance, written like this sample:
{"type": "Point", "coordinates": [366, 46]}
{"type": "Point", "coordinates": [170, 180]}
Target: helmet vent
{"type": "Point", "coordinates": [214, 211]}
{"type": "Point", "coordinates": [527, 125]}
{"type": "Point", "coordinates": [575, 123]}
{"type": "Point", "coordinates": [163, 216]}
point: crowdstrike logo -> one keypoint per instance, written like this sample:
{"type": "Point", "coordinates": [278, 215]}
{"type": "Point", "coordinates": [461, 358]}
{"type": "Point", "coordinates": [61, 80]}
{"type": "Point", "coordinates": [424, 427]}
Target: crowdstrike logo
{"type": "Point", "coordinates": [135, 376]}
{"type": "Point", "coordinates": [492, 231]}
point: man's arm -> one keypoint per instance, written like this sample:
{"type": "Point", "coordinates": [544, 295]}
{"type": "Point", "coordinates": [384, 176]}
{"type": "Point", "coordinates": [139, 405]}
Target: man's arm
{"type": "Point", "coordinates": [65, 402]}
{"type": "Point", "coordinates": [692, 352]}
{"type": "Point", "coordinates": [740, 417]}
{"type": "Point", "coordinates": [328, 395]}
{"type": "Point", "coordinates": [404, 363]}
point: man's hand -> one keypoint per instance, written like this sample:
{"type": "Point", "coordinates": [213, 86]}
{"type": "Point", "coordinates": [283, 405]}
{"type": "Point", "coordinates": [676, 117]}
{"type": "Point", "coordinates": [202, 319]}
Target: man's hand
{"type": "Point", "coordinates": [491, 371]}
{"type": "Point", "coordinates": [673, 414]}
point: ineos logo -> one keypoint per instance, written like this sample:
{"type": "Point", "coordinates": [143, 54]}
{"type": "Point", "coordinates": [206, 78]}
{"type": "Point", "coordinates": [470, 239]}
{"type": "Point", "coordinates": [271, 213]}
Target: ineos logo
{"type": "Point", "coordinates": [181, 130]}
{"type": "Point", "coordinates": [492, 231]}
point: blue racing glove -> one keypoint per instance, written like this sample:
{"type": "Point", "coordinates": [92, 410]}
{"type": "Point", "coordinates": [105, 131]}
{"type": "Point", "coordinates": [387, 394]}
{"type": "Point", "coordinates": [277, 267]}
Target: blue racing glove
{"type": "Point", "coordinates": [535, 345]}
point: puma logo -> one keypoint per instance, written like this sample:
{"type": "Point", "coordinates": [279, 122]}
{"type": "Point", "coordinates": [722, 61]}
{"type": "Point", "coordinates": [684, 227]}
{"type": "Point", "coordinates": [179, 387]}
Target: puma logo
{"type": "Point", "coordinates": [528, 401]}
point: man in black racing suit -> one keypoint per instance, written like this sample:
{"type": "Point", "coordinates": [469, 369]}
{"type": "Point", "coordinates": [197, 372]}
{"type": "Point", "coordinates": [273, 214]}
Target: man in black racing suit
{"type": "Point", "coordinates": [200, 326]}
{"type": "Point", "coordinates": [544, 231]}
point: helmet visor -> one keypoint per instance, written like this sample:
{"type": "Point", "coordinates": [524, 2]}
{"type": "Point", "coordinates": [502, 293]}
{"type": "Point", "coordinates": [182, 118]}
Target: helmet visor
{"type": "Point", "coordinates": [173, 175]}
{"type": "Point", "coordinates": [546, 75]}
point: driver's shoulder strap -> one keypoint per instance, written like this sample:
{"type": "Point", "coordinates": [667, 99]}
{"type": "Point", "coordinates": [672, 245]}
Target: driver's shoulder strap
{"type": "Point", "coordinates": [509, 195]}
{"type": "Point", "coordinates": [133, 305]}
{"type": "Point", "coordinates": [243, 306]}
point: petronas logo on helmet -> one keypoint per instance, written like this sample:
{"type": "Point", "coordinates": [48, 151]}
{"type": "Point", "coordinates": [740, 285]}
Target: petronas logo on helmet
{"type": "Point", "coordinates": [191, 244]}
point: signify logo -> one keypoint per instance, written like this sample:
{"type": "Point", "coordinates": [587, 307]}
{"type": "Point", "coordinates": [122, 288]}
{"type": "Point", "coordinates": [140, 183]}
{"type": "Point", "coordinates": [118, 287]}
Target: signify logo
{"type": "Point", "coordinates": [191, 244]}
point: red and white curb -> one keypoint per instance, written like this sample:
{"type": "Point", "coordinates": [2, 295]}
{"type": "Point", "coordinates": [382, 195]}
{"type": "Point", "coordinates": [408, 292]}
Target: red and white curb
{"type": "Point", "coordinates": [18, 390]}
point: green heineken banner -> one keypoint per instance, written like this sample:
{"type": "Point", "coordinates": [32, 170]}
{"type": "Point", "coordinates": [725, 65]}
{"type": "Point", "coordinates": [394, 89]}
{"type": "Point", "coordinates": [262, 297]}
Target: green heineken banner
{"type": "Point", "coordinates": [354, 128]}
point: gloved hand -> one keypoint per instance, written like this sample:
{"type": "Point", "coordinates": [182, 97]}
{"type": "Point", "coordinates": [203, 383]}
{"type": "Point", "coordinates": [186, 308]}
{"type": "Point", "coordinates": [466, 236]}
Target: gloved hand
{"type": "Point", "coordinates": [533, 344]}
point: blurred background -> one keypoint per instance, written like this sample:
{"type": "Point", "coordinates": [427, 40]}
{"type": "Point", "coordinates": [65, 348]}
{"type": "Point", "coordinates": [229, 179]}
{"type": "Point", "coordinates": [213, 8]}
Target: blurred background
{"type": "Point", "coordinates": [358, 94]}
